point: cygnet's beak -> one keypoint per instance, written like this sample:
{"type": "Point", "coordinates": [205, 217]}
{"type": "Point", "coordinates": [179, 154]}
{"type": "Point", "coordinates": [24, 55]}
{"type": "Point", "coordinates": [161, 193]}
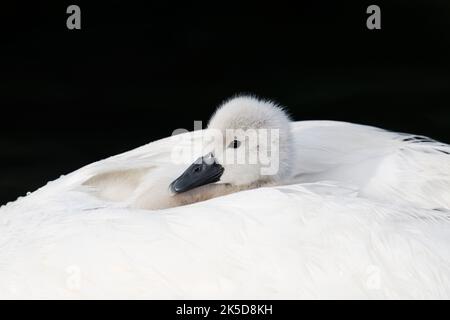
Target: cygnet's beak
{"type": "Point", "coordinates": [203, 171]}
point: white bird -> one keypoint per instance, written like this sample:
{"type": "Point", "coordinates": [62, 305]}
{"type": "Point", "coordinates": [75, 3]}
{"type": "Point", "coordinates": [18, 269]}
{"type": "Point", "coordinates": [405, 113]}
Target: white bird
{"type": "Point", "coordinates": [352, 212]}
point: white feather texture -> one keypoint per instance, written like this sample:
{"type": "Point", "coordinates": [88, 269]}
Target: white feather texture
{"type": "Point", "coordinates": [366, 215]}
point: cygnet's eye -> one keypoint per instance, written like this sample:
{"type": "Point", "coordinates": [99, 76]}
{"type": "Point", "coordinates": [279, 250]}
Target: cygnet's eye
{"type": "Point", "coordinates": [234, 144]}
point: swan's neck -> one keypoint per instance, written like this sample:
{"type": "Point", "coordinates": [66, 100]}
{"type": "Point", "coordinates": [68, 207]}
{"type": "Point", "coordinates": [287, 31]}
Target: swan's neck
{"type": "Point", "coordinates": [163, 200]}
{"type": "Point", "coordinates": [212, 191]}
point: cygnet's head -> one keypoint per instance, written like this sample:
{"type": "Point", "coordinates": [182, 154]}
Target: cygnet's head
{"type": "Point", "coordinates": [251, 146]}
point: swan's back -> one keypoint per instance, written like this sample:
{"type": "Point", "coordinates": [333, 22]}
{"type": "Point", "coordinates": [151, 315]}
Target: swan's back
{"type": "Point", "coordinates": [381, 165]}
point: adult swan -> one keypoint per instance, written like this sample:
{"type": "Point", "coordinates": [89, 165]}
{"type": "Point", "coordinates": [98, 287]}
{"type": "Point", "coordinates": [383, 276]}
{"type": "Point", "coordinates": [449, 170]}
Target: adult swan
{"type": "Point", "coordinates": [350, 211]}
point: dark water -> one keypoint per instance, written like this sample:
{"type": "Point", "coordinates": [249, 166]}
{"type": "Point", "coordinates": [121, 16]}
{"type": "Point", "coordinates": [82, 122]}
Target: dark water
{"type": "Point", "coordinates": [135, 73]}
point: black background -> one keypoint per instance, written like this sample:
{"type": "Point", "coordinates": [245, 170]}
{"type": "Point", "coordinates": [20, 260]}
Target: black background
{"type": "Point", "coordinates": [136, 72]}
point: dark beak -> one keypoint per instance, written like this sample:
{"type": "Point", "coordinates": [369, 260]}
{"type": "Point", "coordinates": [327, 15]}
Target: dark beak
{"type": "Point", "coordinates": [203, 171]}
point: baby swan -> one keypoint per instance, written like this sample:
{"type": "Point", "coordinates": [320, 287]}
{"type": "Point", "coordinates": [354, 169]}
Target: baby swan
{"type": "Point", "coordinates": [251, 148]}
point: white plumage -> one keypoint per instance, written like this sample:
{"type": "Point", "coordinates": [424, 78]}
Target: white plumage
{"type": "Point", "coordinates": [366, 215]}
